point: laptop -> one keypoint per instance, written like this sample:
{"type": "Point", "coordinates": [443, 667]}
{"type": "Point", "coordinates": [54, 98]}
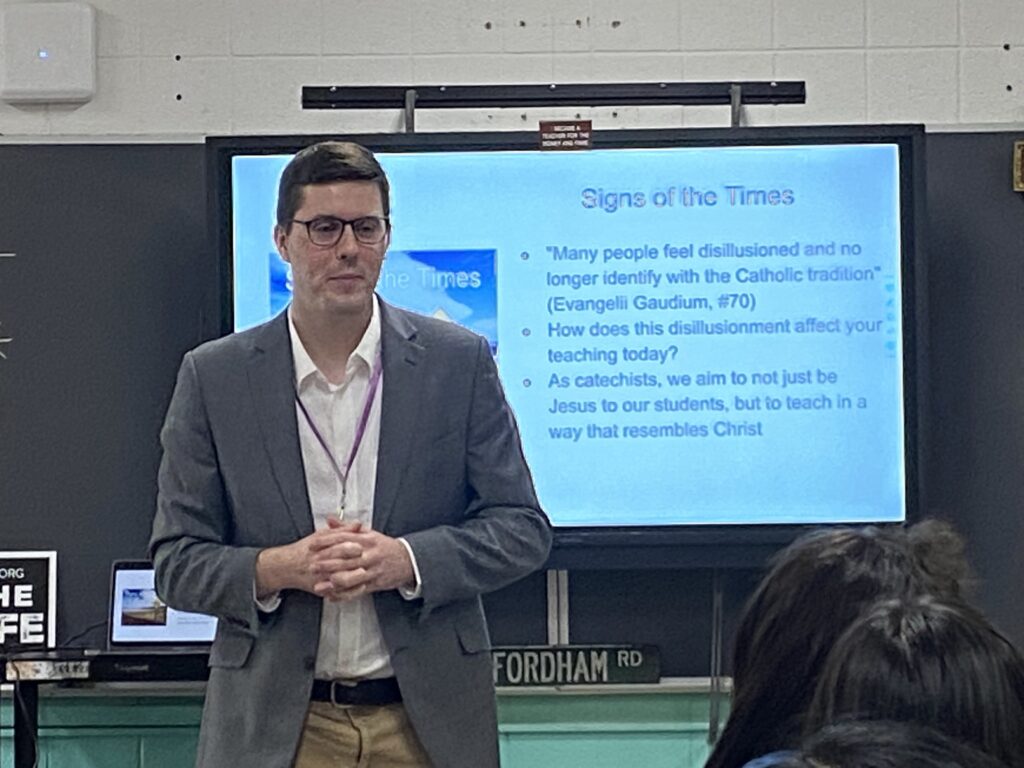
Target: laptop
{"type": "Point", "coordinates": [141, 622]}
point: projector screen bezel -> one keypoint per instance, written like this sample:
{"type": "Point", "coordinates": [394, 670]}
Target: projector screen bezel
{"type": "Point", "coordinates": [649, 546]}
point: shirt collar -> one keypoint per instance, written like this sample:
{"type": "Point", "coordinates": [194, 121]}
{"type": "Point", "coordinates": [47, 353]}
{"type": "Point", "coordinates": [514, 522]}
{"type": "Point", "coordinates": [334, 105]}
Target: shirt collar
{"type": "Point", "coordinates": [366, 350]}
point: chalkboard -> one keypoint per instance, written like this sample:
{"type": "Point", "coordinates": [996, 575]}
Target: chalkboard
{"type": "Point", "coordinates": [106, 292]}
{"type": "Point", "coordinates": [114, 279]}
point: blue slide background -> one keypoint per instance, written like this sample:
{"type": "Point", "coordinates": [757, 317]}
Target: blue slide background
{"type": "Point", "coordinates": [505, 216]}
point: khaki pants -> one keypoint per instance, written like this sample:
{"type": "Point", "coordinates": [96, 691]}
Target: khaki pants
{"type": "Point", "coordinates": [359, 737]}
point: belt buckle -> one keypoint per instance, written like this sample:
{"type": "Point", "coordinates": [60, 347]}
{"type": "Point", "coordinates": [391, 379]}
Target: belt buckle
{"type": "Point", "coordinates": [334, 699]}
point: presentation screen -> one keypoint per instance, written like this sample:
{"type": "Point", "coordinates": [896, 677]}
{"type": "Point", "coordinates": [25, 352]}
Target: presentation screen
{"type": "Point", "coordinates": [690, 333]}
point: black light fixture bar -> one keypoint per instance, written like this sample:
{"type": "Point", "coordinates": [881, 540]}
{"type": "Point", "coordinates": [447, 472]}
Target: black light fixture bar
{"type": "Point", "coordinates": [573, 94]}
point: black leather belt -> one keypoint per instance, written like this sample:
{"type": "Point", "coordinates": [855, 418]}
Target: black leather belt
{"type": "Point", "coordinates": [375, 693]}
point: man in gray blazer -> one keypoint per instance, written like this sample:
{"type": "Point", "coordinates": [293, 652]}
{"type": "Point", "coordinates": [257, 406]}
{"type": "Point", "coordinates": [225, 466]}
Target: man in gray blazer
{"type": "Point", "coordinates": [339, 486]}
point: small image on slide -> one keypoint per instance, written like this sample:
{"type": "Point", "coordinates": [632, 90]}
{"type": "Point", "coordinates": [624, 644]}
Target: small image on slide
{"type": "Point", "coordinates": [280, 283]}
{"type": "Point", "coordinates": [141, 607]}
{"type": "Point", "coordinates": [454, 285]}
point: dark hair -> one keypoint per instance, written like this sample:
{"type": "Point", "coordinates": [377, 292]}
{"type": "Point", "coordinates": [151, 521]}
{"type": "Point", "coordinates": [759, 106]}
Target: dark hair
{"type": "Point", "coordinates": [933, 663]}
{"type": "Point", "coordinates": [326, 163]}
{"type": "Point", "coordinates": [879, 744]}
{"type": "Point", "coordinates": [813, 591]}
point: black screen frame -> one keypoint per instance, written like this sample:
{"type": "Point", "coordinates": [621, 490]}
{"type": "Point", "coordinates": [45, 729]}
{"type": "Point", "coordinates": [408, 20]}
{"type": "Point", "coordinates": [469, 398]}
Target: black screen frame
{"type": "Point", "coordinates": [678, 546]}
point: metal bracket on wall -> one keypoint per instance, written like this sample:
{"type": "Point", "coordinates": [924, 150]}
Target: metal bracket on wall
{"type": "Point", "coordinates": [558, 607]}
{"type": "Point", "coordinates": [735, 105]}
{"type": "Point", "coordinates": [4, 338]}
{"type": "Point", "coordinates": [410, 111]}
{"type": "Point", "coordinates": [408, 98]}
{"type": "Point", "coordinates": [715, 697]}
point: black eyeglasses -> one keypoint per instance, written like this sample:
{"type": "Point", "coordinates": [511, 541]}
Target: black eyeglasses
{"type": "Point", "coordinates": [327, 231]}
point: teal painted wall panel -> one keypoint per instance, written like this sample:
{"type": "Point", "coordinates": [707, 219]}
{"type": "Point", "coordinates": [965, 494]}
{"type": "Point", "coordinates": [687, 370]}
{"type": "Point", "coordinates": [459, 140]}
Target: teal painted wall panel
{"type": "Point", "coordinates": [546, 730]}
{"type": "Point", "coordinates": [116, 746]}
{"type": "Point", "coordinates": [174, 749]}
{"type": "Point", "coordinates": [159, 711]}
{"type": "Point", "coordinates": [602, 750]}
{"type": "Point", "coordinates": [653, 730]}
{"type": "Point", "coordinates": [104, 731]}
{"type": "Point", "coordinates": [111, 749]}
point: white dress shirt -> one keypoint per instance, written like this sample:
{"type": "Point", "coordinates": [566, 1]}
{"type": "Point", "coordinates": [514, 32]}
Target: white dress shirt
{"type": "Point", "coordinates": [351, 646]}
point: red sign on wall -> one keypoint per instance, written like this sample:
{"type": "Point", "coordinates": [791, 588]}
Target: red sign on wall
{"type": "Point", "coordinates": [565, 134]}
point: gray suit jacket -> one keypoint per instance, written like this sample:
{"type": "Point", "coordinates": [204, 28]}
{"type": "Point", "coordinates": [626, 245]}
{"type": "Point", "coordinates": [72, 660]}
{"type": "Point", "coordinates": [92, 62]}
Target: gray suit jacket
{"type": "Point", "coordinates": [451, 479]}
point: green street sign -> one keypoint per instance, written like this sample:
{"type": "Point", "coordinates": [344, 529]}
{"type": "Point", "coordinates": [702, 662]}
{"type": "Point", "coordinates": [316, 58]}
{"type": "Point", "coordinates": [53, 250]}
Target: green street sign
{"type": "Point", "coordinates": [575, 665]}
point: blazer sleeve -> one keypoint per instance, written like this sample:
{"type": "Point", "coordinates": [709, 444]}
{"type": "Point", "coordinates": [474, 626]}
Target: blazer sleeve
{"type": "Point", "coordinates": [505, 535]}
{"type": "Point", "coordinates": [197, 567]}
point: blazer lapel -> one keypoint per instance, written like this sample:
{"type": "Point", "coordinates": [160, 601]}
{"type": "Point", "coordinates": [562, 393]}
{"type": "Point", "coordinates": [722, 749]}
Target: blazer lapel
{"type": "Point", "coordinates": [400, 405]}
{"type": "Point", "coordinates": [272, 382]}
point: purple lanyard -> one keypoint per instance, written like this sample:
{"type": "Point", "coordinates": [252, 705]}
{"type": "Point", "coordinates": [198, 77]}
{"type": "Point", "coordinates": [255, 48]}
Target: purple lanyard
{"type": "Point", "coordinates": [371, 392]}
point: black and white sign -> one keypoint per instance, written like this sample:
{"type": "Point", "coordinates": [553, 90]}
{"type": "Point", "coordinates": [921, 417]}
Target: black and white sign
{"type": "Point", "coordinates": [28, 601]}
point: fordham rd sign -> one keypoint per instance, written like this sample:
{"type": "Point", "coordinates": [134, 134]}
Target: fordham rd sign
{"type": "Point", "coordinates": [575, 665]}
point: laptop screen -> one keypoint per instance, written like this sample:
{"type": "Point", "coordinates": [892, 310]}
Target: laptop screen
{"type": "Point", "coordinates": [138, 617]}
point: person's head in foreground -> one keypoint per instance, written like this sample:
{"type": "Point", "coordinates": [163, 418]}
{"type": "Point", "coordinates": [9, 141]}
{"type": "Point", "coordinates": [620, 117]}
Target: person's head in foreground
{"type": "Point", "coordinates": [879, 744]}
{"type": "Point", "coordinates": [813, 591]}
{"type": "Point", "coordinates": [933, 663]}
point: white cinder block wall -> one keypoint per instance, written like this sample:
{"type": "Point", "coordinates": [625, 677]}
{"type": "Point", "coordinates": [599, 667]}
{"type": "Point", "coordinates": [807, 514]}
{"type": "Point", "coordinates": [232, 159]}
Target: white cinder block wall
{"type": "Point", "coordinates": [187, 68]}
